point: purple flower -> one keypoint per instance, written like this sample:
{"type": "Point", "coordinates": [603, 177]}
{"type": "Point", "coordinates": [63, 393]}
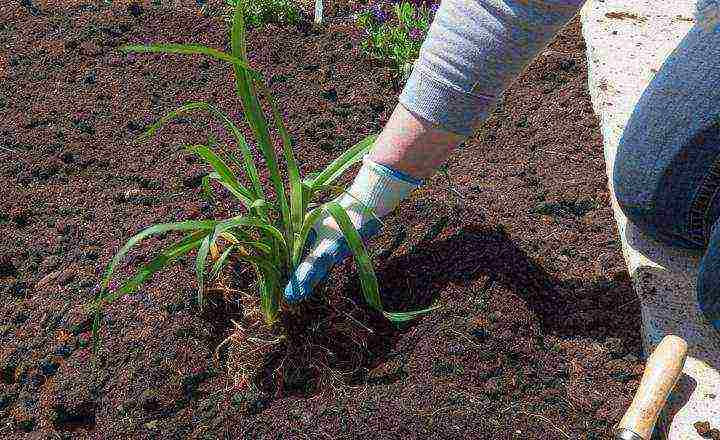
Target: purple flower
{"type": "Point", "coordinates": [416, 34]}
{"type": "Point", "coordinates": [434, 8]}
{"type": "Point", "coordinates": [378, 13]}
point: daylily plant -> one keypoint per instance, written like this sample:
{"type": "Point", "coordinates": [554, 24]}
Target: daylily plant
{"type": "Point", "coordinates": [269, 234]}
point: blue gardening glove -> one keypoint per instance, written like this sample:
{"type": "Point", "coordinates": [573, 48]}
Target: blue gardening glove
{"type": "Point", "coordinates": [376, 191]}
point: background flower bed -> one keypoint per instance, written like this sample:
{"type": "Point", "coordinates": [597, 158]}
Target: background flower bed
{"type": "Point", "coordinates": [519, 244]}
{"type": "Point", "coordinates": [394, 31]}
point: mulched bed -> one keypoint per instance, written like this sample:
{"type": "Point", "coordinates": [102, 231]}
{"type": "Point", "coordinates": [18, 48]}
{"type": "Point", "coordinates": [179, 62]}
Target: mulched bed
{"type": "Point", "coordinates": [538, 337]}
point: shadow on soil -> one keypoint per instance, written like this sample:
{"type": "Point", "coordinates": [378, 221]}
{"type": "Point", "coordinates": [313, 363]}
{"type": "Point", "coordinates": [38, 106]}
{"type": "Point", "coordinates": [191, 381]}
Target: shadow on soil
{"type": "Point", "coordinates": [343, 337]}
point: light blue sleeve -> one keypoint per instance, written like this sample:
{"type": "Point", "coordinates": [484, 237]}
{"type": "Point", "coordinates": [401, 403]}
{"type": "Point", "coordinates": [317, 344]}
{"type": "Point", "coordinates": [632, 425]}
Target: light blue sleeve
{"type": "Point", "coordinates": [473, 50]}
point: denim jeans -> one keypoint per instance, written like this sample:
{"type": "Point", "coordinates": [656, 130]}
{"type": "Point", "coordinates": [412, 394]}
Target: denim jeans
{"type": "Point", "coordinates": [667, 169]}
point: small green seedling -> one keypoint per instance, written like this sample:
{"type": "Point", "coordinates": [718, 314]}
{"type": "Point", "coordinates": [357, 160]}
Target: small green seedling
{"type": "Point", "coordinates": [259, 12]}
{"type": "Point", "coordinates": [270, 234]}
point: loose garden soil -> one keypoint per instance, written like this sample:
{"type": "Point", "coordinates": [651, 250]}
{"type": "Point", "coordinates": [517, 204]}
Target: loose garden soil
{"type": "Point", "coordinates": [538, 334]}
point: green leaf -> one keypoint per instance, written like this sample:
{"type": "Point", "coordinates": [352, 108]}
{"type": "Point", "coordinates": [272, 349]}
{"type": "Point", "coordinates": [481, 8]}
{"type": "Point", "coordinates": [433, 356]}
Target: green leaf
{"type": "Point", "coordinates": [240, 238]}
{"type": "Point", "coordinates": [200, 262]}
{"type": "Point", "coordinates": [179, 249]}
{"type": "Point", "coordinates": [222, 260]}
{"type": "Point", "coordinates": [248, 163]}
{"type": "Point", "coordinates": [368, 279]}
{"type": "Point", "coordinates": [310, 219]}
{"type": "Point", "coordinates": [224, 174]}
{"type": "Point", "coordinates": [239, 221]}
{"type": "Point", "coordinates": [237, 33]}
{"type": "Point", "coordinates": [269, 294]}
{"type": "Point", "coordinates": [193, 49]}
{"type": "Point", "coordinates": [408, 316]}
{"type": "Point", "coordinates": [185, 108]}
{"type": "Point", "coordinates": [297, 208]}
{"type": "Point", "coordinates": [352, 156]}
{"type": "Point", "coordinates": [255, 116]}
{"type": "Point", "coordinates": [248, 159]}
{"type": "Point", "coordinates": [190, 225]}
{"type": "Point", "coordinates": [167, 256]}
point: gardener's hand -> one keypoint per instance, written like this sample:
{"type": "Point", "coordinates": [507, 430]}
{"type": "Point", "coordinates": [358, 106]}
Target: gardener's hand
{"type": "Point", "coordinates": [376, 191]}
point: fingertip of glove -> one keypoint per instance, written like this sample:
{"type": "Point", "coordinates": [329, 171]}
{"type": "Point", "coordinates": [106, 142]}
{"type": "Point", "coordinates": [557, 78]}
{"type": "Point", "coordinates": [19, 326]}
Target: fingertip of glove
{"type": "Point", "coordinates": [301, 287]}
{"type": "Point", "coordinates": [295, 291]}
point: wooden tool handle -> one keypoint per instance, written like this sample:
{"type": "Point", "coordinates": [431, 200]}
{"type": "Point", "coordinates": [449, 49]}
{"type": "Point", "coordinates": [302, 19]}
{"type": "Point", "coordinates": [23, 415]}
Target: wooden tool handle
{"type": "Point", "coordinates": [662, 371]}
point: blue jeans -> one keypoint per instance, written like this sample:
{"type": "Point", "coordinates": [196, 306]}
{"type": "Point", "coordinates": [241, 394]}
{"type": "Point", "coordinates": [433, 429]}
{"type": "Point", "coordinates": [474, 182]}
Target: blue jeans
{"type": "Point", "coordinates": [667, 169]}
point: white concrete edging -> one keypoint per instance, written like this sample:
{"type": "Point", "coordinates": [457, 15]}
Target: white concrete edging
{"type": "Point", "coordinates": [623, 53]}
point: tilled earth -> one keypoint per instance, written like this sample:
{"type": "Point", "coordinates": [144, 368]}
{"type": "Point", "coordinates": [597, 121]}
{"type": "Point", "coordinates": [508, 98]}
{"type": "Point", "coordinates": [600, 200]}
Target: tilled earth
{"type": "Point", "coordinates": [538, 334]}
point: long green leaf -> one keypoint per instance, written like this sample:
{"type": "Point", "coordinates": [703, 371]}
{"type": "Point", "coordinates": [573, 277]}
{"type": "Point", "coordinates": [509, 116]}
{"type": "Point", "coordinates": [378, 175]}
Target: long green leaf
{"type": "Point", "coordinates": [167, 256]}
{"type": "Point", "coordinates": [239, 239]}
{"type": "Point", "coordinates": [248, 163]}
{"type": "Point", "coordinates": [225, 174]}
{"type": "Point", "coordinates": [269, 293]}
{"type": "Point", "coordinates": [269, 285]}
{"type": "Point", "coordinates": [352, 156]}
{"type": "Point", "coordinates": [232, 189]}
{"type": "Point", "coordinates": [237, 34]}
{"type": "Point", "coordinates": [190, 225]}
{"type": "Point", "coordinates": [192, 49]}
{"type": "Point", "coordinates": [297, 208]}
{"type": "Point", "coordinates": [240, 221]}
{"type": "Point", "coordinates": [248, 159]}
{"type": "Point", "coordinates": [408, 316]}
{"type": "Point", "coordinates": [200, 262]}
{"type": "Point", "coordinates": [185, 108]}
{"type": "Point", "coordinates": [368, 280]}
{"type": "Point", "coordinates": [263, 249]}
{"type": "Point", "coordinates": [177, 250]}
{"type": "Point", "coordinates": [310, 219]}
{"type": "Point", "coordinates": [256, 117]}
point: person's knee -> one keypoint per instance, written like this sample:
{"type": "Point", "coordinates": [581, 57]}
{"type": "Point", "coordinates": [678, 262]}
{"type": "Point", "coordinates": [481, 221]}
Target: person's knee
{"type": "Point", "coordinates": [708, 279]}
{"type": "Point", "coordinates": [633, 196]}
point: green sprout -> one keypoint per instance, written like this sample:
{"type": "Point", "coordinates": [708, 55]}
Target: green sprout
{"type": "Point", "coordinates": [259, 12]}
{"type": "Point", "coordinates": [270, 234]}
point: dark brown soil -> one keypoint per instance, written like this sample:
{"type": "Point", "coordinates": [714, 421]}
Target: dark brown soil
{"type": "Point", "coordinates": [538, 337]}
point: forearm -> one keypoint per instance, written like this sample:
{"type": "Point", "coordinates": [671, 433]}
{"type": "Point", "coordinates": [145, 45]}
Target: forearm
{"type": "Point", "coordinates": [413, 145]}
{"type": "Point", "coordinates": [473, 50]}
